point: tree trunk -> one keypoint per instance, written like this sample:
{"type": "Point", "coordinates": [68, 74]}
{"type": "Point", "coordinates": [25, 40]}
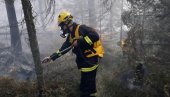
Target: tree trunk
{"type": "Point", "coordinates": [92, 13]}
{"type": "Point", "coordinates": [81, 6]}
{"type": "Point", "coordinates": [27, 8]}
{"type": "Point", "coordinates": [14, 30]}
{"type": "Point", "coordinates": [40, 4]}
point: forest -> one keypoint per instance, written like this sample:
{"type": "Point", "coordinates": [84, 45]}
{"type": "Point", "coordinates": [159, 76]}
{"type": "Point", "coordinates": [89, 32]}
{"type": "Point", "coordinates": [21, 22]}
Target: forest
{"type": "Point", "coordinates": [135, 35]}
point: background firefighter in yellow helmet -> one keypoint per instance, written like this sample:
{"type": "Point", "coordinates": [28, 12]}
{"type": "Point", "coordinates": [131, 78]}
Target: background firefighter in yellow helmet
{"type": "Point", "coordinates": [87, 47]}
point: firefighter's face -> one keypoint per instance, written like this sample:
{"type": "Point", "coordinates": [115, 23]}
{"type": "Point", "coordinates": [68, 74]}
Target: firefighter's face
{"type": "Point", "coordinates": [62, 26]}
{"type": "Point", "coordinates": [65, 29]}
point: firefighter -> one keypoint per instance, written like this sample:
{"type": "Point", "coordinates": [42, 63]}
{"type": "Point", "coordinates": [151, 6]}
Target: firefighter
{"type": "Point", "coordinates": [87, 47]}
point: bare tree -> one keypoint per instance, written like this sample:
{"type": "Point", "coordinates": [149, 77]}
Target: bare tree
{"type": "Point", "coordinates": [92, 13]}
{"type": "Point", "coordinates": [41, 9]}
{"type": "Point", "coordinates": [14, 30]}
{"type": "Point", "coordinates": [27, 8]}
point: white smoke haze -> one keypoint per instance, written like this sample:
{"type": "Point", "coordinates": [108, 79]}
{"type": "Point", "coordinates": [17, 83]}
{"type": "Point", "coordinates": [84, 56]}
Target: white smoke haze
{"type": "Point", "coordinates": [107, 20]}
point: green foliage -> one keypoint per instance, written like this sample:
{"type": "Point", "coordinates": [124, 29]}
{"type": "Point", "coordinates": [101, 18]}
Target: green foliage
{"type": "Point", "coordinates": [150, 43]}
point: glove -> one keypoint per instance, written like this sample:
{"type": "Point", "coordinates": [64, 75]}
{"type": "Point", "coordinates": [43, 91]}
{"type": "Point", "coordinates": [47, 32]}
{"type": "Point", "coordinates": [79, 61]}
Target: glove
{"type": "Point", "coordinates": [56, 55]}
{"type": "Point", "coordinates": [46, 60]}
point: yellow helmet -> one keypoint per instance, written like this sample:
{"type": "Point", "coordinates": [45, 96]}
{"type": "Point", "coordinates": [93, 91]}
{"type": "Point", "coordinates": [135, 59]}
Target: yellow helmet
{"type": "Point", "coordinates": [64, 16]}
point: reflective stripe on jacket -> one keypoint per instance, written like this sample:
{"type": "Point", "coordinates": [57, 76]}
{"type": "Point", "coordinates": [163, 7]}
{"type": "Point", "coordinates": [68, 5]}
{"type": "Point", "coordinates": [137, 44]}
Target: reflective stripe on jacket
{"type": "Point", "coordinates": [97, 47]}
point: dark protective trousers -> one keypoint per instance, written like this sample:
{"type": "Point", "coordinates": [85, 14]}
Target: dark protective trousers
{"type": "Point", "coordinates": [88, 84]}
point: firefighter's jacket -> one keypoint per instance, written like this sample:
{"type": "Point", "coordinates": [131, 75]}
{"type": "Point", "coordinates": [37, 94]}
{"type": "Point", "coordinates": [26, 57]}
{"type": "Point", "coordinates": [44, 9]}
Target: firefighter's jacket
{"type": "Point", "coordinates": [89, 47]}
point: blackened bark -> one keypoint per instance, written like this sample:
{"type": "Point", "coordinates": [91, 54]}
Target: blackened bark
{"type": "Point", "coordinates": [27, 8]}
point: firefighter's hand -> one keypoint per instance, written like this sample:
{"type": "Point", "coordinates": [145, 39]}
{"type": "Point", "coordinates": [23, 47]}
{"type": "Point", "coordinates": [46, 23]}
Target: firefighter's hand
{"type": "Point", "coordinates": [75, 43]}
{"type": "Point", "coordinates": [46, 60]}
